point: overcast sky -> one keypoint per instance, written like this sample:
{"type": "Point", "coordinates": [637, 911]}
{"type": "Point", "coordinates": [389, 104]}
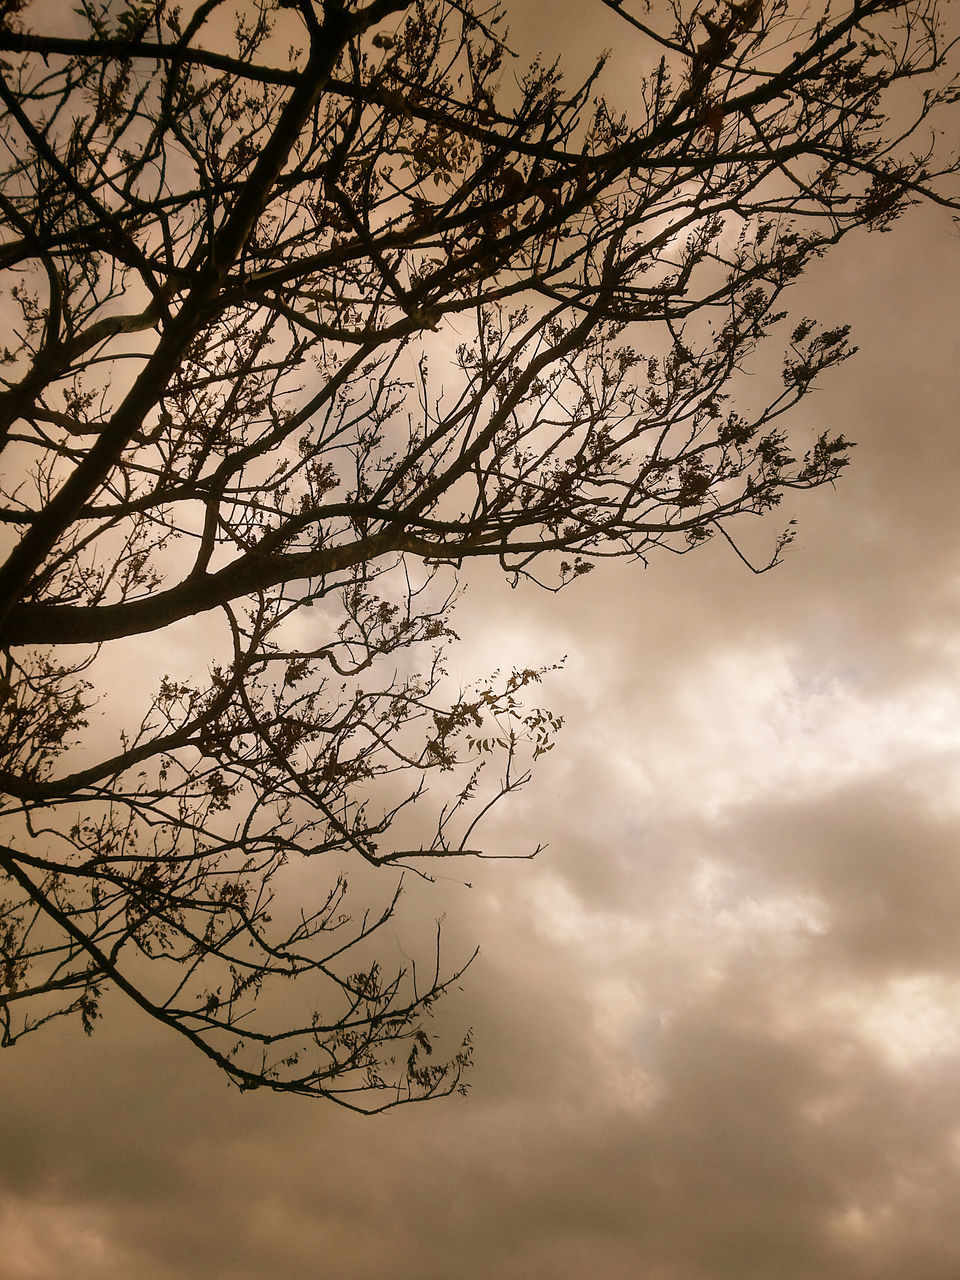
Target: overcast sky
{"type": "Point", "coordinates": [718, 1020]}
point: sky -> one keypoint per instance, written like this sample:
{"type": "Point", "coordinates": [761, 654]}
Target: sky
{"type": "Point", "coordinates": [718, 1018]}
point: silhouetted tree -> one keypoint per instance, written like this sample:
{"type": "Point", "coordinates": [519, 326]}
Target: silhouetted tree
{"type": "Point", "coordinates": [309, 303]}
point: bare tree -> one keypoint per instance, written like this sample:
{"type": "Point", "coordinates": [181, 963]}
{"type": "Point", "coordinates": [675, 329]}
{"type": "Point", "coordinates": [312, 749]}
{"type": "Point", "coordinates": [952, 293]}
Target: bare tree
{"type": "Point", "coordinates": [309, 303]}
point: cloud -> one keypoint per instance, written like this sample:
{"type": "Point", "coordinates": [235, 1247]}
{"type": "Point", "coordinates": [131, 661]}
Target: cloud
{"type": "Point", "coordinates": [716, 1020]}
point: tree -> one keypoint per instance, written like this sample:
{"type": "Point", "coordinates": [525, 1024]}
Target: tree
{"type": "Point", "coordinates": [311, 303]}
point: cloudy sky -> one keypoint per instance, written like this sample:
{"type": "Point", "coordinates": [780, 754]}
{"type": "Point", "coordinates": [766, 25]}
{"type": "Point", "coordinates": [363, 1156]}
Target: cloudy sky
{"type": "Point", "coordinates": [718, 1020]}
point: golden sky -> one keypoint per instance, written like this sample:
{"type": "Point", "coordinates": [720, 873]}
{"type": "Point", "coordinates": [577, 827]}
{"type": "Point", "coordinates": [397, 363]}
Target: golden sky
{"type": "Point", "coordinates": [718, 1020]}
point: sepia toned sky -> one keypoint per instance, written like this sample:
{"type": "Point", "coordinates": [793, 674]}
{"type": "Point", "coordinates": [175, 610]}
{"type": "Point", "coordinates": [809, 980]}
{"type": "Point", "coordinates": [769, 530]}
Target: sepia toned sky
{"type": "Point", "coordinates": [718, 1019]}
